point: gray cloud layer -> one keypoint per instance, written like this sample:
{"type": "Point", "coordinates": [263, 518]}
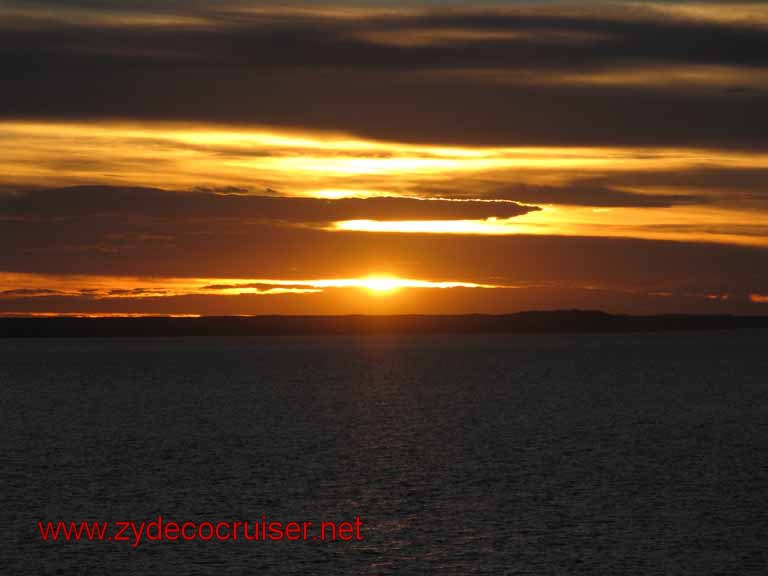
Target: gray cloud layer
{"type": "Point", "coordinates": [88, 202]}
{"type": "Point", "coordinates": [330, 73]}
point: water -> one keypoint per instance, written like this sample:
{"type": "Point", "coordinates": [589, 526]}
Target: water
{"type": "Point", "coordinates": [516, 454]}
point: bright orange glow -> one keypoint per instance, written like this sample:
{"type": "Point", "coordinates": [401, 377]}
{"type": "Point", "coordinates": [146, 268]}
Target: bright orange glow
{"type": "Point", "coordinates": [23, 285]}
{"type": "Point", "coordinates": [177, 155]}
{"type": "Point", "coordinates": [489, 227]}
{"type": "Point", "coordinates": [689, 223]}
{"type": "Point", "coordinates": [338, 193]}
{"type": "Point", "coordinates": [332, 165]}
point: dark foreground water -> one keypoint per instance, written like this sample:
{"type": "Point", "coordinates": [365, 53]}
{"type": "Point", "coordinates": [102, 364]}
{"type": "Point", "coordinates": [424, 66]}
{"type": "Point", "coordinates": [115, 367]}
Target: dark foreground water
{"type": "Point", "coordinates": [518, 454]}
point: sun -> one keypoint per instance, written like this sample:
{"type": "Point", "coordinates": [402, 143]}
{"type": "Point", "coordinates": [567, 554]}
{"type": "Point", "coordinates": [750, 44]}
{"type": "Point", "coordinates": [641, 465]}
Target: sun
{"type": "Point", "coordinates": [380, 284]}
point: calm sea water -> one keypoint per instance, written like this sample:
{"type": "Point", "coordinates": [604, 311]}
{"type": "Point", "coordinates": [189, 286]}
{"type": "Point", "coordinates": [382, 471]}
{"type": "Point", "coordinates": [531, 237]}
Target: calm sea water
{"type": "Point", "coordinates": [516, 454]}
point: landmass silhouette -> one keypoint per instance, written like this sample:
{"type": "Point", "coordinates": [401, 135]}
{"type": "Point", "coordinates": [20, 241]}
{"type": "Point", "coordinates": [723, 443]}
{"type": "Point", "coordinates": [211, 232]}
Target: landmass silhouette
{"type": "Point", "coordinates": [558, 321]}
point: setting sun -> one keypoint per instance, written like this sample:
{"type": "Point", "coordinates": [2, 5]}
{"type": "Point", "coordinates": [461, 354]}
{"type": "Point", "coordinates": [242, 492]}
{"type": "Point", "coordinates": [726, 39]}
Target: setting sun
{"type": "Point", "coordinates": [381, 284]}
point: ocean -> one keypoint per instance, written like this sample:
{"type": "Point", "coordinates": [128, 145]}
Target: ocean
{"type": "Point", "coordinates": [458, 454]}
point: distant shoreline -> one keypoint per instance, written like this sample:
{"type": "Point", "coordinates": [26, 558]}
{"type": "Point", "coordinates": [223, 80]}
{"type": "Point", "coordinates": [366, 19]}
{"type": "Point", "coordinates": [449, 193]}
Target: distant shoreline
{"type": "Point", "coordinates": [561, 321]}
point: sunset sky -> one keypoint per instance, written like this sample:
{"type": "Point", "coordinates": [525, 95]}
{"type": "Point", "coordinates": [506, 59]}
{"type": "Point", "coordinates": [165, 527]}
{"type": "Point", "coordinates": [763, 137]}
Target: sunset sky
{"type": "Point", "coordinates": [244, 157]}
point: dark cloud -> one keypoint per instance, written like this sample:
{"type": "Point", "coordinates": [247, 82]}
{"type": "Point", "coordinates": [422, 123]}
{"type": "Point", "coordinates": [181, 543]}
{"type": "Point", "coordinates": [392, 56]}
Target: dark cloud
{"type": "Point", "coordinates": [722, 186]}
{"type": "Point", "coordinates": [649, 188]}
{"type": "Point", "coordinates": [587, 194]}
{"type": "Point", "coordinates": [234, 190]}
{"type": "Point", "coordinates": [614, 273]}
{"type": "Point", "coordinates": [326, 73]}
{"type": "Point", "coordinates": [133, 291]}
{"type": "Point", "coordinates": [269, 40]}
{"type": "Point", "coordinates": [86, 202]}
{"type": "Point", "coordinates": [256, 285]}
{"type": "Point", "coordinates": [26, 292]}
{"type": "Point", "coordinates": [248, 249]}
